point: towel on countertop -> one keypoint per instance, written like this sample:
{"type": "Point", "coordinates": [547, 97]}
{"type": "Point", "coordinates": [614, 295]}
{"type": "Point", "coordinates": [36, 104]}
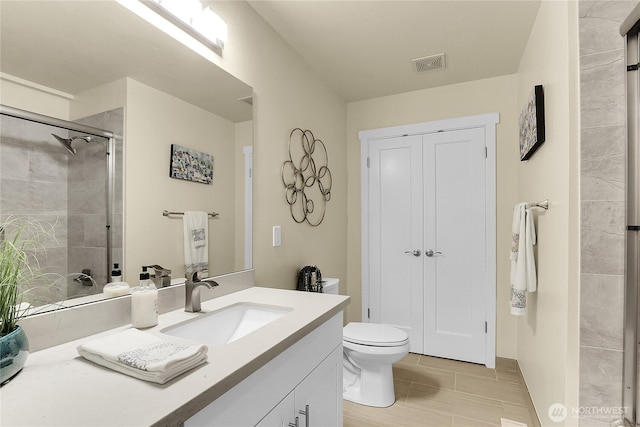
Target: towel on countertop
{"type": "Point", "coordinates": [196, 243]}
{"type": "Point", "coordinates": [523, 264]}
{"type": "Point", "coordinates": [143, 355]}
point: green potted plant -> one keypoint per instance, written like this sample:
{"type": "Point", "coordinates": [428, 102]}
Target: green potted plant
{"type": "Point", "coordinates": [20, 238]}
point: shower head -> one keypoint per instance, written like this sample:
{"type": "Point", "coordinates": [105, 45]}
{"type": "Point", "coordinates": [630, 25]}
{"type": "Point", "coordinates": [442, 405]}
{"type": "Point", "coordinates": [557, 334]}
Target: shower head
{"type": "Point", "coordinates": [66, 142]}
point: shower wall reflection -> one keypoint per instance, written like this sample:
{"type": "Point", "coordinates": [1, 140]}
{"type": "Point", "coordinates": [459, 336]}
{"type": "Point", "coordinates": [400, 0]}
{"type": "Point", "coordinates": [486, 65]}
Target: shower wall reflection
{"type": "Point", "coordinates": [40, 179]}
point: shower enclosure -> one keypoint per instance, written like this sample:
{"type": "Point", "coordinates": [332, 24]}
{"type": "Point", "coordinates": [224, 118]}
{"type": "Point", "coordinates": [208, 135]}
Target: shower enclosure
{"type": "Point", "coordinates": [631, 383]}
{"type": "Point", "coordinates": [59, 172]}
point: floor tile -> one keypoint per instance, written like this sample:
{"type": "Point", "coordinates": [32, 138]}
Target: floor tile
{"type": "Point", "coordinates": [426, 376]}
{"type": "Point", "coordinates": [508, 376]}
{"type": "Point", "coordinates": [456, 366]}
{"type": "Point", "coordinates": [504, 364]}
{"type": "Point", "coordinates": [401, 414]}
{"type": "Point", "coordinates": [438, 392]}
{"type": "Point", "coordinates": [459, 421]}
{"type": "Point", "coordinates": [455, 403]}
{"type": "Point", "coordinates": [487, 387]}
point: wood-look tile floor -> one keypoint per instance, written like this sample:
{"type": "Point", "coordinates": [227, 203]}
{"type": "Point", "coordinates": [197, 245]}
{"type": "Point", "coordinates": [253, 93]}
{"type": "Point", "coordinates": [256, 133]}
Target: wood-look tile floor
{"type": "Point", "coordinates": [444, 393]}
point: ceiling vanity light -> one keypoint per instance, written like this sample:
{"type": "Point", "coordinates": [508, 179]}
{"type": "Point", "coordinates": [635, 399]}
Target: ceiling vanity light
{"type": "Point", "coordinates": [195, 19]}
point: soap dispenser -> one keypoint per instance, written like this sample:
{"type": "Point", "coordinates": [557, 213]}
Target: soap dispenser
{"type": "Point", "coordinates": [116, 287]}
{"type": "Point", "coordinates": [116, 274]}
{"type": "Point", "coordinates": [144, 303]}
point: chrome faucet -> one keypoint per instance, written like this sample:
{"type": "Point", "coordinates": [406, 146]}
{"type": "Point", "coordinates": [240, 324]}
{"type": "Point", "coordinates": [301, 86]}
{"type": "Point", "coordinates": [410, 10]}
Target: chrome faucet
{"type": "Point", "coordinates": [161, 277]}
{"type": "Point", "coordinates": [192, 288]}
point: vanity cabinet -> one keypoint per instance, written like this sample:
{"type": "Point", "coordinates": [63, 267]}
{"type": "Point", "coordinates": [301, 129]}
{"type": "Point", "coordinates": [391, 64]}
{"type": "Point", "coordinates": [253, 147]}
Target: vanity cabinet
{"type": "Point", "coordinates": [313, 402]}
{"type": "Point", "coordinates": [307, 373]}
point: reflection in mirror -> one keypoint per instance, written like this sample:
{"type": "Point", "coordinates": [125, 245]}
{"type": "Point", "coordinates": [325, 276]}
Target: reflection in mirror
{"type": "Point", "coordinates": [63, 177]}
{"type": "Point", "coordinates": [68, 60]}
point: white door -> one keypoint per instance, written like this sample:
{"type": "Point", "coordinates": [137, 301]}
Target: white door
{"type": "Point", "coordinates": [427, 240]}
{"type": "Point", "coordinates": [454, 230]}
{"type": "Point", "coordinates": [395, 209]}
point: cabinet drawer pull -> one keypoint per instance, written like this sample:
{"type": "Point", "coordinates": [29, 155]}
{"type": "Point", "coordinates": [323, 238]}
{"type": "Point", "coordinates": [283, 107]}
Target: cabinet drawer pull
{"type": "Point", "coordinates": [296, 424]}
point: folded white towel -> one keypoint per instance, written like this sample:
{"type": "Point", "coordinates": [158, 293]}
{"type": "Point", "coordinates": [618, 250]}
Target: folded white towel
{"type": "Point", "coordinates": [196, 243]}
{"type": "Point", "coordinates": [144, 356]}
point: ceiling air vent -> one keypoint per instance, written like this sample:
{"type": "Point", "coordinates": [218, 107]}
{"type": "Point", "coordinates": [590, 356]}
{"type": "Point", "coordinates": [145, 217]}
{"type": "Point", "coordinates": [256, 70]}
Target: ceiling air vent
{"type": "Point", "coordinates": [429, 63]}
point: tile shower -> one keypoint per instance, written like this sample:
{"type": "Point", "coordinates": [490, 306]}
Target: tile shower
{"type": "Point", "coordinates": [39, 178]}
{"type": "Point", "coordinates": [602, 194]}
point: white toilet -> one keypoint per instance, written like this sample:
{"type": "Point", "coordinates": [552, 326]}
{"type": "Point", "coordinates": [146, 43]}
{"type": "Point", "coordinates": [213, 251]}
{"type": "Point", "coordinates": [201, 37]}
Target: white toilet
{"type": "Point", "coordinates": [370, 350]}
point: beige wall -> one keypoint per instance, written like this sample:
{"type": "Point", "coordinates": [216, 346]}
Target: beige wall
{"type": "Point", "coordinates": [99, 99]}
{"type": "Point", "coordinates": [244, 137]}
{"type": "Point", "coordinates": [287, 94]}
{"type": "Point", "coordinates": [545, 346]}
{"type": "Point", "coordinates": [154, 121]}
{"type": "Point", "coordinates": [30, 99]}
{"type": "Point", "coordinates": [466, 99]}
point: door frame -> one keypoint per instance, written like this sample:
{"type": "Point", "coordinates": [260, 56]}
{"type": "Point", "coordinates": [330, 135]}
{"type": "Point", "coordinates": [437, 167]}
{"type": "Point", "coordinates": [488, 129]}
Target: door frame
{"type": "Point", "coordinates": [486, 121]}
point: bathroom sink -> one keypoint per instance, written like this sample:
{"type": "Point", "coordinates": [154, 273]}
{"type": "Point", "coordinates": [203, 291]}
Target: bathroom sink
{"type": "Point", "coordinates": [227, 324]}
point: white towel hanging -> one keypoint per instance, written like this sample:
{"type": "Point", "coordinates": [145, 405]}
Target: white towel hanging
{"type": "Point", "coordinates": [523, 267]}
{"type": "Point", "coordinates": [196, 243]}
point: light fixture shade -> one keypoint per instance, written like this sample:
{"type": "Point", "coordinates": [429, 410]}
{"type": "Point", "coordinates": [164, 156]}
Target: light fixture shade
{"type": "Point", "coordinates": [211, 26]}
{"type": "Point", "coordinates": [199, 21]}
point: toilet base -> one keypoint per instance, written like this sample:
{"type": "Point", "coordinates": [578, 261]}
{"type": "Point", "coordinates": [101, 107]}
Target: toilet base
{"type": "Point", "coordinates": [373, 387]}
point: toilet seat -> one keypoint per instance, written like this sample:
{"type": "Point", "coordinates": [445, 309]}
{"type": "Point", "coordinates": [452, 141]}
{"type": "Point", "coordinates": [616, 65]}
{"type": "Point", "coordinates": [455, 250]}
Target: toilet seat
{"type": "Point", "coordinates": [373, 334]}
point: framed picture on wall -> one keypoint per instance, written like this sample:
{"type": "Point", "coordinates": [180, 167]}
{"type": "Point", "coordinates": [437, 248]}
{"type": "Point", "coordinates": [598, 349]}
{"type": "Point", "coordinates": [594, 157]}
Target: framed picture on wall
{"type": "Point", "coordinates": [532, 133]}
{"type": "Point", "coordinates": [190, 164]}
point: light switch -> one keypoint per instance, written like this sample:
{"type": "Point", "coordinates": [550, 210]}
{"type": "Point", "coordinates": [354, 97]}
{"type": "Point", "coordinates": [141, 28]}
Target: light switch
{"type": "Point", "coordinates": [277, 236]}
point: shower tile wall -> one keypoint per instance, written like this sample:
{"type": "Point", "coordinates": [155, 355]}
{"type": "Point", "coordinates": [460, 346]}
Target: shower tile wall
{"type": "Point", "coordinates": [41, 179]}
{"type": "Point", "coordinates": [87, 182]}
{"type": "Point", "coordinates": [33, 181]}
{"type": "Point", "coordinates": [602, 194]}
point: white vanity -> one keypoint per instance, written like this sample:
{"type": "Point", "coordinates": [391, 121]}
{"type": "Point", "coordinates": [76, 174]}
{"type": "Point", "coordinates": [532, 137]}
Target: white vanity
{"type": "Point", "coordinates": [289, 368]}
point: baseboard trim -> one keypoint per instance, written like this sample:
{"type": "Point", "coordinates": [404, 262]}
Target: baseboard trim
{"type": "Point", "coordinates": [532, 408]}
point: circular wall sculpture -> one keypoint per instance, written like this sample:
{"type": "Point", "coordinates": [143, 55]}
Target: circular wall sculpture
{"type": "Point", "coordinates": [306, 177]}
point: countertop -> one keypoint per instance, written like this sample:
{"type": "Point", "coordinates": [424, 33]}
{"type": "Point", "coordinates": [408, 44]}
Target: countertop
{"type": "Point", "coordinates": [58, 387]}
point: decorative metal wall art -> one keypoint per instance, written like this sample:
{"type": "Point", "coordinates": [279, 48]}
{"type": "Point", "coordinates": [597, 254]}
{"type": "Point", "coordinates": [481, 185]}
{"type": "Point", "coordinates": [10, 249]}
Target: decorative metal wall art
{"type": "Point", "coordinates": [306, 177]}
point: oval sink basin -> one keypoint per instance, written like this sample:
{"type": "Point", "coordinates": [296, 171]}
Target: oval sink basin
{"type": "Point", "coordinates": [228, 324]}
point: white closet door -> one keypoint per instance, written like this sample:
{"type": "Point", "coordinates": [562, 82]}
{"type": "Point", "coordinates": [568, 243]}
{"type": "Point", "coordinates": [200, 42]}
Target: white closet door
{"type": "Point", "coordinates": [396, 230]}
{"type": "Point", "coordinates": [454, 229]}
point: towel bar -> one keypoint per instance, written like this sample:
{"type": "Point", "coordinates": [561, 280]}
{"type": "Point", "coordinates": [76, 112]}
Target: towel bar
{"type": "Point", "coordinates": [543, 204]}
{"type": "Point", "coordinates": [167, 213]}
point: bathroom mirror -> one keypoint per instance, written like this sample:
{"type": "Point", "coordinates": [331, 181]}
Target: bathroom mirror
{"type": "Point", "coordinates": [98, 61]}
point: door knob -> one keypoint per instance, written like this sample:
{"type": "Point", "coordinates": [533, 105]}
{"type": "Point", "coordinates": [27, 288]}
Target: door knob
{"type": "Point", "coordinates": [431, 253]}
{"type": "Point", "coordinates": [414, 252]}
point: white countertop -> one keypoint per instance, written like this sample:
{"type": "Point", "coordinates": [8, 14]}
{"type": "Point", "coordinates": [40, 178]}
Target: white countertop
{"type": "Point", "coordinates": [57, 387]}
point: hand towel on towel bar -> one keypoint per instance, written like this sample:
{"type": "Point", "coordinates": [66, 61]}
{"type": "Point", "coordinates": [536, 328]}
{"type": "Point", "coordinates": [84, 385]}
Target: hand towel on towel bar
{"type": "Point", "coordinates": [196, 243]}
{"type": "Point", "coordinates": [143, 355]}
{"type": "Point", "coordinates": [523, 263]}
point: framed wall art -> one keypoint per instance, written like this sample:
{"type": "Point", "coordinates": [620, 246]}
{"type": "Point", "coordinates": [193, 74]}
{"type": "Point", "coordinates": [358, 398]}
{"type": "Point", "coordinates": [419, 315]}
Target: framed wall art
{"type": "Point", "coordinates": [532, 134]}
{"type": "Point", "coordinates": [190, 164]}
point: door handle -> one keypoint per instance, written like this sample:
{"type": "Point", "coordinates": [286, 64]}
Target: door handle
{"type": "Point", "coordinates": [431, 253]}
{"type": "Point", "coordinates": [414, 252]}
{"type": "Point", "coordinates": [306, 414]}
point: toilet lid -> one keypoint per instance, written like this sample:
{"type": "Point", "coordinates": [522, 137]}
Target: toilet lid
{"type": "Point", "coordinates": [374, 334]}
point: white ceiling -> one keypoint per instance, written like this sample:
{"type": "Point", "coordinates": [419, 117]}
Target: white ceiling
{"type": "Point", "coordinates": [363, 49]}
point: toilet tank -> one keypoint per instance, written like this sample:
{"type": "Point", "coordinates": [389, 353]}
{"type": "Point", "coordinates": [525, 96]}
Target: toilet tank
{"type": "Point", "coordinates": [330, 285]}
